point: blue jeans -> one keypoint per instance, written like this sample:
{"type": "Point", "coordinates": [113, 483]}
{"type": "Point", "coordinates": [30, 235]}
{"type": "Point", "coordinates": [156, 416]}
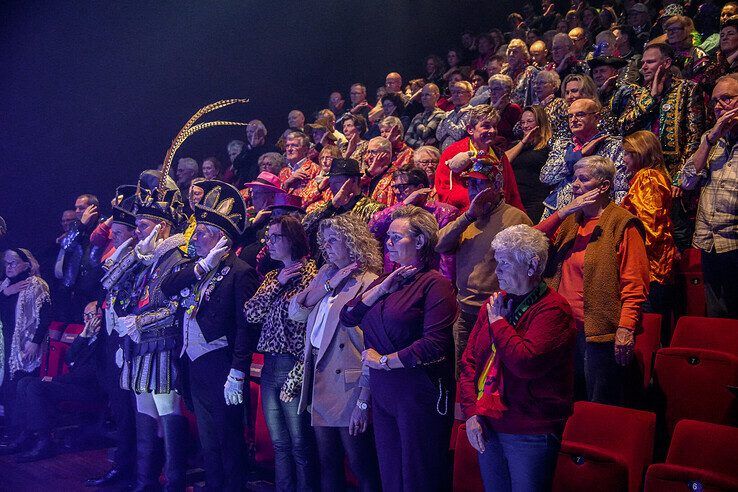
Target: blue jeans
{"type": "Point", "coordinates": [518, 462]}
{"type": "Point", "coordinates": [291, 434]}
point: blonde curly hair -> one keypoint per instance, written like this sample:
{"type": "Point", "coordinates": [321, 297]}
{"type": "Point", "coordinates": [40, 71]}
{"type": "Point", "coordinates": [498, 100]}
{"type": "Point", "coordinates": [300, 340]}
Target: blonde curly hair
{"type": "Point", "coordinates": [362, 245]}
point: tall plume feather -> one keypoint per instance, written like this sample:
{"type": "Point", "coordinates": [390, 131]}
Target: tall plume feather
{"type": "Point", "coordinates": [190, 128]}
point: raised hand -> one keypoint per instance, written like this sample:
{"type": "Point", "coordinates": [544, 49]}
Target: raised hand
{"type": "Point", "coordinates": [590, 147]}
{"type": "Point", "coordinates": [342, 274]}
{"type": "Point", "coordinates": [89, 214]}
{"type": "Point", "coordinates": [216, 254]}
{"type": "Point", "coordinates": [497, 308]}
{"type": "Point", "coordinates": [418, 197]}
{"type": "Point", "coordinates": [580, 202]}
{"type": "Point", "coordinates": [344, 195]}
{"type": "Point", "coordinates": [481, 205]}
{"type": "Point", "coordinates": [288, 273]}
{"type": "Point", "coordinates": [148, 245]}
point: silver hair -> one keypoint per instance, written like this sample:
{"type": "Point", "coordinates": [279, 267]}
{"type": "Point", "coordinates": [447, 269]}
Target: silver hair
{"type": "Point", "coordinates": [428, 149]}
{"type": "Point", "coordinates": [273, 157]}
{"type": "Point", "coordinates": [565, 38]}
{"type": "Point", "coordinates": [550, 76]}
{"type": "Point", "coordinates": [390, 121]}
{"type": "Point", "coordinates": [304, 139]}
{"type": "Point", "coordinates": [383, 143]}
{"type": "Point", "coordinates": [523, 243]}
{"type": "Point", "coordinates": [601, 167]}
{"type": "Point", "coordinates": [188, 163]}
{"type": "Point", "coordinates": [422, 223]}
{"type": "Point", "coordinates": [260, 128]}
{"type": "Point", "coordinates": [235, 143]}
{"type": "Point", "coordinates": [503, 80]}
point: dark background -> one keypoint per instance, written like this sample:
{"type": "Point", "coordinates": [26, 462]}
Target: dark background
{"type": "Point", "coordinates": [93, 92]}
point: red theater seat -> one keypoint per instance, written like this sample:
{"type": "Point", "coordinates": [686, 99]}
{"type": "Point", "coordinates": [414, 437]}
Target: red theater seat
{"type": "Point", "coordinates": [264, 451]}
{"type": "Point", "coordinates": [707, 333]}
{"type": "Point", "coordinates": [690, 281]}
{"type": "Point", "coordinates": [702, 457]}
{"type": "Point", "coordinates": [604, 448]}
{"type": "Point", "coordinates": [693, 383]}
{"type": "Point", "coordinates": [467, 477]}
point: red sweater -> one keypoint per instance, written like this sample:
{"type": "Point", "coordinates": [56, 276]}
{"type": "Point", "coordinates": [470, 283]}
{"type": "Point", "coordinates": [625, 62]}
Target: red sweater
{"type": "Point", "coordinates": [455, 193]}
{"type": "Point", "coordinates": [536, 362]}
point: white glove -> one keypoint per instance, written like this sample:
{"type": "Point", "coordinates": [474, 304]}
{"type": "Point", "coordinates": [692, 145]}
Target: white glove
{"type": "Point", "coordinates": [460, 161]}
{"type": "Point", "coordinates": [120, 249]}
{"type": "Point", "coordinates": [216, 254]}
{"type": "Point", "coordinates": [119, 357]}
{"type": "Point", "coordinates": [233, 388]}
{"type": "Point", "coordinates": [148, 245]}
{"type": "Point", "coordinates": [127, 326]}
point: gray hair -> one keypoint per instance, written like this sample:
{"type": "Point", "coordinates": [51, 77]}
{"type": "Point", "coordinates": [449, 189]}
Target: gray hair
{"type": "Point", "coordinates": [503, 80]}
{"type": "Point", "coordinates": [483, 112]}
{"type": "Point", "coordinates": [188, 163]}
{"type": "Point", "coordinates": [549, 76]}
{"type": "Point", "coordinates": [523, 243]}
{"type": "Point", "coordinates": [260, 128]}
{"type": "Point", "coordinates": [304, 139]}
{"type": "Point", "coordinates": [421, 223]}
{"type": "Point", "coordinates": [235, 143]}
{"type": "Point", "coordinates": [601, 167]}
{"type": "Point", "coordinates": [563, 37]}
{"type": "Point", "coordinates": [273, 157]}
{"type": "Point", "coordinates": [427, 149]}
{"type": "Point", "coordinates": [391, 121]}
{"type": "Point", "coordinates": [383, 143]}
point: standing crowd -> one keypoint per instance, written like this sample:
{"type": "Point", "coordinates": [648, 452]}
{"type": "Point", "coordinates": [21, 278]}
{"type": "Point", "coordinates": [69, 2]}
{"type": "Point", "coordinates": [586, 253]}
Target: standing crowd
{"type": "Point", "coordinates": [496, 228]}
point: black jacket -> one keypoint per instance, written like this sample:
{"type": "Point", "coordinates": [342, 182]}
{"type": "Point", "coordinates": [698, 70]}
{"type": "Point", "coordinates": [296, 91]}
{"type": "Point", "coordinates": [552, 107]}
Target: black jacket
{"type": "Point", "coordinates": [85, 362]}
{"type": "Point", "coordinates": [222, 313]}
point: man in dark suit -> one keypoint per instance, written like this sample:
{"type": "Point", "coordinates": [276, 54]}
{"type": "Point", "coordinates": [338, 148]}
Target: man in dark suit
{"type": "Point", "coordinates": [217, 340]}
{"type": "Point", "coordinates": [37, 397]}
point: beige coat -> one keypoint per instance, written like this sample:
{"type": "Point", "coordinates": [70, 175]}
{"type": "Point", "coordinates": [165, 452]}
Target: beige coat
{"type": "Point", "coordinates": [330, 388]}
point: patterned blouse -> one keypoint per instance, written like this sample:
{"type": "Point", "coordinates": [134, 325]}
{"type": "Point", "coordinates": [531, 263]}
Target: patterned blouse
{"type": "Point", "coordinates": [280, 334]}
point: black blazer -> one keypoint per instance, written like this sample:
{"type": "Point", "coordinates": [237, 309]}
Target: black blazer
{"type": "Point", "coordinates": [223, 313]}
{"type": "Point", "coordinates": [84, 360]}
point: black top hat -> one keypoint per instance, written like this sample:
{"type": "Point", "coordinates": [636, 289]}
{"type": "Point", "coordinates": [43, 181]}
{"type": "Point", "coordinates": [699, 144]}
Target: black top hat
{"type": "Point", "coordinates": [222, 206]}
{"type": "Point", "coordinates": [610, 61]}
{"type": "Point", "coordinates": [125, 201]}
{"type": "Point", "coordinates": [345, 167]}
{"type": "Point", "coordinates": [155, 204]}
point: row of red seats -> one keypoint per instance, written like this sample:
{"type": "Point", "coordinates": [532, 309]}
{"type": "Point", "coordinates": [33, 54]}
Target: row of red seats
{"type": "Point", "coordinates": [608, 448]}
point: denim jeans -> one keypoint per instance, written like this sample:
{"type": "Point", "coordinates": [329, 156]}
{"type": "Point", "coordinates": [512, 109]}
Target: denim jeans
{"type": "Point", "coordinates": [291, 433]}
{"type": "Point", "coordinates": [518, 462]}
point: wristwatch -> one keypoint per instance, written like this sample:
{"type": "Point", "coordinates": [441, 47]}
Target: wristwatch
{"type": "Point", "coordinates": [362, 404]}
{"type": "Point", "coordinates": [383, 362]}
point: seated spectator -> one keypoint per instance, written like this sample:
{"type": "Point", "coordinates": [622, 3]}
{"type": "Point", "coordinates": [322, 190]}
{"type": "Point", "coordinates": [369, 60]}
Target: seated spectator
{"type": "Point", "coordinates": [586, 140]}
{"type": "Point", "coordinates": [468, 238]}
{"type": "Point", "coordinates": [412, 187]}
{"type": "Point", "coordinates": [344, 183]}
{"type": "Point", "coordinates": [454, 62]}
{"type": "Point", "coordinates": [327, 118]}
{"type": "Point", "coordinates": [564, 56]}
{"type": "Point", "coordinates": [392, 85]}
{"type": "Point", "coordinates": [407, 317]}
{"type": "Point", "coordinates": [691, 60]}
{"type": "Point", "coordinates": [445, 102]}
{"type": "Point", "coordinates": [359, 105]}
{"type": "Point", "coordinates": [606, 302]}
{"type": "Point", "coordinates": [233, 148]}
{"type": "Point", "coordinates": [626, 47]}
{"type": "Point", "coordinates": [379, 168]}
{"type": "Point", "coordinates": [336, 103]}
{"type": "Point", "coordinates": [393, 130]}
{"type": "Point", "coordinates": [727, 56]}
{"type": "Point", "coordinates": [36, 399]}
{"type": "Point", "coordinates": [296, 120]}
{"type": "Point", "coordinates": [545, 87]}
{"type": "Point", "coordinates": [501, 92]}
{"type": "Point", "coordinates": [640, 20]}
{"type": "Point", "coordinates": [24, 330]}
{"type": "Point", "coordinates": [539, 56]}
{"type": "Point", "coordinates": [212, 168]}
{"type": "Point", "coordinates": [427, 158]}
{"type": "Point", "coordinates": [422, 129]}
{"type": "Point", "coordinates": [245, 165]}
{"type": "Point", "coordinates": [271, 162]}
{"type": "Point", "coordinates": [187, 170]}
{"type": "Point", "coordinates": [649, 199]}
{"type": "Point", "coordinates": [716, 227]}
{"type": "Point", "coordinates": [517, 372]}
{"type": "Point", "coordinates": [477, 79]}
{"type": "Point", "coordinates": [317, 189]}
{"type": "Point", "coordinates": [354, 129]}
{"type": "Point", "coordinates": [461, 155]}
{"type": "Point", "coordinates": [486, 47]}
{"type": "Point", "coordinates": [520, 70]}
{"type": "Point", "coordinates": [528, 156]}
{"type": "Point", "coordinates": [453, 126]}
{"type": "Point", "coordinates": [574, 87]}
{"type": "Point", "coordinates": [299, 170]}
{"type": "Point", "coordinates": [581, 41]}
{"type": "Point", "coordinates": [282, 341]}
{"type": "Point", "coordinates": [339, 413]}
{"type": "Point", "coordinates": [412, 98]}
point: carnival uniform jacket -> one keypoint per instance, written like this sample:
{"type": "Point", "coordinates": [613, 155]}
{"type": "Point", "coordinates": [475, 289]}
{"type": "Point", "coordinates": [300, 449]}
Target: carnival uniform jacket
{"type": "Point", "coordinates": [220, 312]}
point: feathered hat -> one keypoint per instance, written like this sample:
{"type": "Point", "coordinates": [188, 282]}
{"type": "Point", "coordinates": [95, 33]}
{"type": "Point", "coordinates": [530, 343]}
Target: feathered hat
{"type": "Point", "coordinates": [223, 207]}
{"type": "Point", "coordinates": [157, 195]}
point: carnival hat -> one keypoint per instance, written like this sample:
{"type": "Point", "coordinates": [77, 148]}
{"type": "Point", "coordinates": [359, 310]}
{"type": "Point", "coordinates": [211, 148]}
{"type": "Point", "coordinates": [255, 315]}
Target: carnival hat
{"type": "Point", "coordinates": [266, 181]}
{"type": "Point", "coordinates": [344, 167]}
{"type": "Point", "coordinates": [123, 205]}
{"type": "Point", "coordinates": [222, 206]}
{"type": "Point", "coordinates": [158, 201]}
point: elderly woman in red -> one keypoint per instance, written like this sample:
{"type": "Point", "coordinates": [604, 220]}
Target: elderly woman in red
{"type": "Point", "coordinates": [599, 265]}
{"type": "Point", "coordinates": [649, 199]}
{"type": "Point", "coordinates": [517, 372]}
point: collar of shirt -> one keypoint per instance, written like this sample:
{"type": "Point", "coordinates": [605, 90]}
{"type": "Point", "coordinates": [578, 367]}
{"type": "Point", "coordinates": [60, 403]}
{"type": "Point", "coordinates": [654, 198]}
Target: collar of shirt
{"type": "Point", "coordinates": [298, 164]}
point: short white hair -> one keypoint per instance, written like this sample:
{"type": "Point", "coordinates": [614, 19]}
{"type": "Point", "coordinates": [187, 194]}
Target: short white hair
{"type": "Point", "coordinates": [235, 143]}
{"type": "Point", "coordinates": [523, 243]}
{"type": "Point", "coordinates": [188, 163]}
{"type": "Point", "coordinates": [382, 143]}
{"type": "Point", "coordinates": [601, 167]}
{"type": "Point", "coordinates": [390, 121]}
{"type": "Point", "coordinates": [549, 76]}
{"type": "Point", "coordinates": [501, 79]}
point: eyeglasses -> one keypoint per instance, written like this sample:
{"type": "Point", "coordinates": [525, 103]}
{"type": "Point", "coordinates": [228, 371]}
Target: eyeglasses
{"type": "Point", "coordinates": [402, 186]}
{"type": "Point", "coordinates": [89, 316]}
{"type": "Point", "coordinates": [376, 151]}
{"type": "Point", "coordinates": [273, 238]}
{"type": "Point", "coordinates": [579, 115]}
{"type": "Point", "coordinates": [724, 100]}
{"type": "Point", "coordinates": [427, 162]}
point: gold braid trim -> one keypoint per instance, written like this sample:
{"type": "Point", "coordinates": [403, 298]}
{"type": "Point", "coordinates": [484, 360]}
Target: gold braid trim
{"type": "Point", "coordinates": [188, 129]}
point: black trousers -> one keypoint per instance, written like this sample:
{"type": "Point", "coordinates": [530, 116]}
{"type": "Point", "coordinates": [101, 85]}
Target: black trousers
{"type": "Point", "coordinates": [9, 397]}
{"type": "Point", "coordinates": [122, 407]}
{"type": "Point", "coordinates": [37, 400]}
{"type": "Point", "coordinates": [720, 271]}
{"type": "Point", "coordinates": [220, 426]}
